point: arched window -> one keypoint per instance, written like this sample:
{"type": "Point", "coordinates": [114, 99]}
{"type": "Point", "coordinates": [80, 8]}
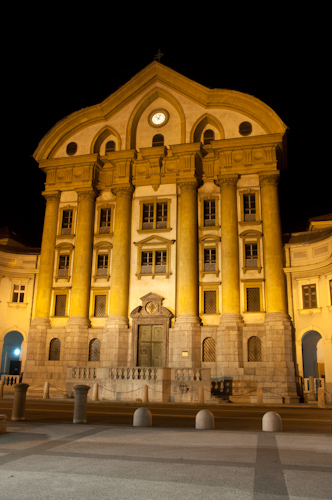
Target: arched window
{"type": "Point", "coordinates": [208, 136]}
{"type": "Point", "coordinates": [54, 352]}
{"type": "Point", "coordinates": [254, 349]}
{"type": "Point", "coordinates": [110, 146]}
{"type": "Point", "coordinates": [71, 148]}
{"type": "Point", "coordinates": [158, 140]}
{"type": "Point", "coordinates": [94, 350]}
{"type": "Point", "coordinates": [209, 349]}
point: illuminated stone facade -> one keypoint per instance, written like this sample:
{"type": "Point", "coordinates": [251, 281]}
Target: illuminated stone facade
{"type": "Point", "coordinates": [162, 244]}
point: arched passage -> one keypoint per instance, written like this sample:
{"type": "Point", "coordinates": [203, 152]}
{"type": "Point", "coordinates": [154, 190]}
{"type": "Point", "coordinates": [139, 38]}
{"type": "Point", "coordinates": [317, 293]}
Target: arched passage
{"type": "Point", "coordinates": [312, 355]}
{"type": "Point", "coordinates": [10, 359]}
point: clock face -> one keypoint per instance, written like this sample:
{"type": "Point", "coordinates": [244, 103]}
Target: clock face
{"type": "Point", "coordinates": [158, 118]}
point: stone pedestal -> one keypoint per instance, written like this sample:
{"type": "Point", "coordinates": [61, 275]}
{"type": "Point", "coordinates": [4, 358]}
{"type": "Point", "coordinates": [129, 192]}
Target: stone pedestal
{"type": "Point", "coordinates": [18, 412]}
{"type": "Point", "coordinates": [186, 342]}
{"type": "Point", "coordinates": [230, 346]}
{"type": "Point", "coordinates": [80, 405]}
{"type": "Point", "coordinates": [114, 351]}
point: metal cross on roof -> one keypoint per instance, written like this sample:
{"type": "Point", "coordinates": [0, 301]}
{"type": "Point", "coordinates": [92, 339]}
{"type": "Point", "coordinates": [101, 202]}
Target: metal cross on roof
{"type": "Point", "coordinates": [158, 56]}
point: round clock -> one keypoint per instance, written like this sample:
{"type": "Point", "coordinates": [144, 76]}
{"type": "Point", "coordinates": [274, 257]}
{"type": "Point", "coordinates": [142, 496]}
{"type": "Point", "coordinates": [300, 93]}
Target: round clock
{"type": "Point", "coordinates": [158, 117]}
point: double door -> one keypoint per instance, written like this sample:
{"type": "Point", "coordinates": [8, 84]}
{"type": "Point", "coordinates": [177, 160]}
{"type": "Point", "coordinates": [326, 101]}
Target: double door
{"type": "Point", "coordinates": [150, 345]}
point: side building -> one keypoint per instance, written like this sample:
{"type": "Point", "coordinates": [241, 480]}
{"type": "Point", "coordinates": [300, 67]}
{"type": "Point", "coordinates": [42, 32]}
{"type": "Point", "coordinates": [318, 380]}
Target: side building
{"type": "Point", "coordinates": [162, 256]}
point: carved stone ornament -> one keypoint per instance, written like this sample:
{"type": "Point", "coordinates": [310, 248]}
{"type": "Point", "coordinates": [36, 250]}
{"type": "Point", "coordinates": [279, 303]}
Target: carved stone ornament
{"type": "Point", "coordinates": [123, 191]}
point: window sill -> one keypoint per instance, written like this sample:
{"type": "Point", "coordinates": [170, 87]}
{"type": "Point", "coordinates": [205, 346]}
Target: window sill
{"type": "Point", "coordinates": [17, 304]}
{"type": "Point", "coordinates": [257, 269]}
{"type": "Point", "coordinates": [250, 222]}
{"type": "Point", "coordinates": [205, 228]}
{"type": "Point", "coordinates": [155, 230]}
{"type": "Point", "coordinates": [152, 275]}
{"type": "Point", "coordinates": [101, 277]}
{"type": "Point", "coordinates": [64, 278]}
{"type": "Point", "coordinates": [312, 310]}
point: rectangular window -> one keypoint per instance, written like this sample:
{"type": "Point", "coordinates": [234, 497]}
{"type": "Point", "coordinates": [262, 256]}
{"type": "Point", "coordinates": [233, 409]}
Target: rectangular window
{"type": "Point", "coordinates": [67, 221]}
{"type": "Point", "coordinates": [63, 265]}
{"type": "Point", "coordinates": [105, 221]}
{"type": "Point", "coordinates": [18, 293]}
{"type": "Point", "coordinates": [147, 261]}
{"type": "Point", "coordinates": [210, 301]}
{"type": "Point", "coordinates": [251, 251]}
{"type": "Point", "coordinates": [162, 215]}
{"type": "Point", "coordinates": [148, 212]}
{"type": "Point", "coordinates": [161, 257]}
{"type": "Point", "coordinates": [100, 306]}
{"type": "Point", "coordinates": [309, 296]}
{"type": "Point", "coordinates": [209, 212]}
{"type": "Point", "coordinates": [253, 299]}
{"type": "Point", "coordinates": [60, 305]}
{"type": "Point", "coordinates": [249, 206]}
{"type": "Point", "coordinates": [155, 215]}
{"type": "Point", "coordinates": [102, 265]}
{"type": "Point", "coordinates": [209, 259]}
{"type": "Point", "coordinates": [154, 262]}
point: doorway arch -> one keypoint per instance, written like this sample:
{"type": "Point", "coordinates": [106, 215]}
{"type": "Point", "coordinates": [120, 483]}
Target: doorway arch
{"type": "Point", "coordinates": [312, 354]}
{"type": "Point", "coordinates": [11, 352]}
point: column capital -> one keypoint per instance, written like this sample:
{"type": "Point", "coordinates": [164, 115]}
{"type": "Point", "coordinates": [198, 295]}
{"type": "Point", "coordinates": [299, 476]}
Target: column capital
{"type": "Point", "coordinates": [52, 197]}
{"type": "Point", "coordinates": [269, 178]}
{"type": "Point", "coordinates": [86, 194]}
{"type": "Point", "coordinates": [123, 191]}
{"type": "Point", "coordinates": [229, 181]}
{"type": "Point", "coordinates": [187, 185]}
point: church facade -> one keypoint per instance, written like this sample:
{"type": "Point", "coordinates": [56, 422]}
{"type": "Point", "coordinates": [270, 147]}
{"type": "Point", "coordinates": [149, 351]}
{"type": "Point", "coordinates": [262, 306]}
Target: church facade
{"type": "Point", "coordinates": [162, 256]}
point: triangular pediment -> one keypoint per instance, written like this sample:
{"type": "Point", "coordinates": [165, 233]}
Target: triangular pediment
{"type": "Point", "coordinates": [154, 240]}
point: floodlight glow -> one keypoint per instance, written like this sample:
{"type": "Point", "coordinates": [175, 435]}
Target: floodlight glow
{"type": "Point", "coordinates": [17, 352]}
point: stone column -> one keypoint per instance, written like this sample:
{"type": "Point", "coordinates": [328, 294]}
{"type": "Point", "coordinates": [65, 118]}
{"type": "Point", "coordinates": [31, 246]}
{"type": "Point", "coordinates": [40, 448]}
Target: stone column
{"type": "Point", "coordinates": [46, 263]}
{"type": "Point", "coordinates": [186, 331]}
{"type": "Point", "coordinates": [81, 281]}
{"type": "Point", "coordinates": [115, 343]}
{"type": "Point", "coordinates": [230, 328]}
{"type": "Point", "coordinates": [275, 286]}
{"type": "Point", "coordinates": [278, 326]}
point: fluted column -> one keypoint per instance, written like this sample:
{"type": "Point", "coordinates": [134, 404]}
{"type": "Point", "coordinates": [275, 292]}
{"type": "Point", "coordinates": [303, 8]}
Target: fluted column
{"type": "Point", "coordinates": [80, 296]}
{"type": "Point", "coordinates": [275, 288]}
{"type": "Point", "coordinates": [229, 247]}
{"type": "Point", "coordinates": [45, 276]}
{"type": "Point", "coordinates": [187, 262]}
{"type": "Point", "coordinates": [119, 294]}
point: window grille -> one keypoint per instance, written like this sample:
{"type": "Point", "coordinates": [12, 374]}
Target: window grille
{"type": "Point", "coordinates": [94, 350]}
{"type": "Point", "coordinates": [209, 349]}
{"type": "Point", "coordinates": [60, 305]}
{"type": "Point", "coordinates": [63, 265]}
{"type": "Point", "coordinates": [249, 205]}
{"type": "Point", "coordinates": [253, 299]}
{"type": "Point", "coordinates": [18, 293]}
{"type": "Point", "coordinates": [100, 306]}
{"type": "Point", "coordinates": [251, 255]}
{"type": "Point", "coordinates": [254, 349]}
{"type": "Point", "coordinates": [67, 220]}
{"type": "Point", "coordinates": [54, 352]}
{"type": "Point", "coordinates": [309, 296]}
{"type": "Point", "coordinates": [105, 220]}
{"type": "Point", "coordinates": [209, 259]}
{"type": "Point", "coordinates": [158, 140]}
{"type": "Point", "coordinates": [210, 301]}
{"type": "Point", "coordinates": [148, 213]}
{"type": "Point", "coordinates": [102, 265]}
{"type": "Point", "coordinates": [209, 212]}
{"type": "Point", "coordinates": [161, 215]}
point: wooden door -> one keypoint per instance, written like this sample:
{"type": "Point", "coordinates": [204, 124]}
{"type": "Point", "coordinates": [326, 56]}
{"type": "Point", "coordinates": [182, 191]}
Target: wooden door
{"type": "Point", "coordinates": [150, 345]}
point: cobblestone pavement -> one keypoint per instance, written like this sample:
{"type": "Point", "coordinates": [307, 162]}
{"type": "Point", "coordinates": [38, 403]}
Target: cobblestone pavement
{"type": "Point", "coordinates": [68, 461]}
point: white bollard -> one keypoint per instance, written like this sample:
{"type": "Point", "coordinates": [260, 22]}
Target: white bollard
{"type": "Point", "coordinates": [145, 398]}
{"type": "Point", "coordinates": [142, 418]}
{"type": "Point", "coordinates": [271, 422]}
{"type": "Point", "coordinates": [204, 420]}
{"type": "Point", "coordinates": [46, 394]}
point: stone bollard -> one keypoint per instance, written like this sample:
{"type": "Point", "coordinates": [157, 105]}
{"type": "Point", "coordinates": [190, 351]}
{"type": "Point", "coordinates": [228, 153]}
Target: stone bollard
{"type": "Point", "coordinates": [95, 392]}
{"type": "Point", "coordinates": [18, 412]}
{"type": "Point", "coordinates": [46, 394]}
{"type": "Point", "coordinates": [3, 424]}
{"type": "Point", "coordinates": [142, 418]}
{"type": "Point", "coordinates": [271, 422]}
{"type": "Point", "coordinates": [145, 398]}
{"type": "Point", "coordinates": [201, 395]}
{"type": "Point", "coordinates": [321, 398]}
{"type": "Point", "coordinates": [80, 404]}
{"type": "Point", "coordinates": [259, 395]}
{"type": "Point", "coordinates": [204, 420]}
{"type": "Point", "coordinates": [1, 388]}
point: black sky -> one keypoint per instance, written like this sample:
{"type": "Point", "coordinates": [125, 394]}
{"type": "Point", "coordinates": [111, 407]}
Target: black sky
{"type": "Point", "coordinates": [59, 62]}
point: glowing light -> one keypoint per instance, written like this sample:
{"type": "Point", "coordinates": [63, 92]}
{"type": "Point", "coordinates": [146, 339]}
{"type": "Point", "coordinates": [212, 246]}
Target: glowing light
{"type": "Point", "coordinates": [17, 352]}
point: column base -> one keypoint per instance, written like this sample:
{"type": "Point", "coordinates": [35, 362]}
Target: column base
{"type": "Point", "coordinates": [229, 349]}
{"type": "Point", "coordinates": [185, 339]}
{"type": "Point", "coordinates": [115, 345]}
{"type": "Point", "coordinates": [78, 322]}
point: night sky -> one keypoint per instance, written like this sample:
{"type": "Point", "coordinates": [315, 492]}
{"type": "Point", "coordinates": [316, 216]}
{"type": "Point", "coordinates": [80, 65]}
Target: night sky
{"type": "Point", "coordinates": [57, 63]}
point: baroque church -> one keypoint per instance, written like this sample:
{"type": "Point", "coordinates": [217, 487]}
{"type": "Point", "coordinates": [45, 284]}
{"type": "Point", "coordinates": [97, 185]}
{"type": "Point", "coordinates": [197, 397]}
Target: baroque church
{"type": "Point", "coordinates": [162, 260]}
